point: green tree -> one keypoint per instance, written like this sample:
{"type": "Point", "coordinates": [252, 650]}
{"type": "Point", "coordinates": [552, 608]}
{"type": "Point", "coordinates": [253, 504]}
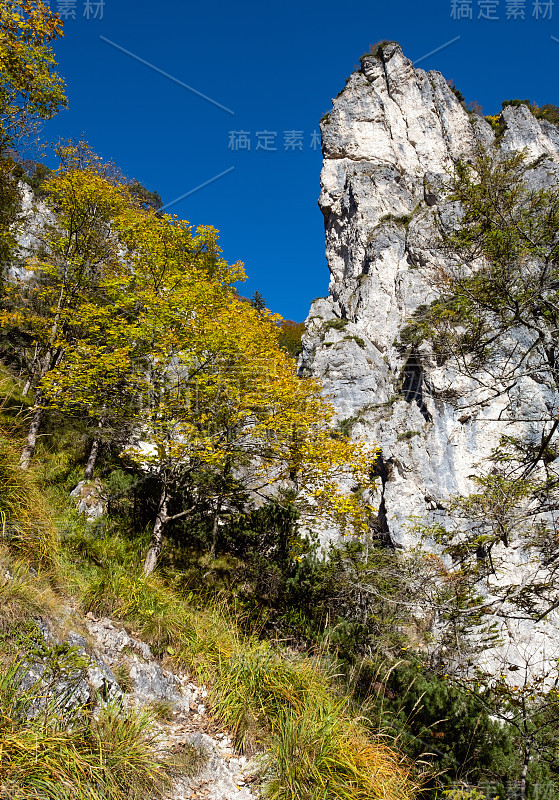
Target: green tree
{"type": "Point", "coordinates": [496, 321]}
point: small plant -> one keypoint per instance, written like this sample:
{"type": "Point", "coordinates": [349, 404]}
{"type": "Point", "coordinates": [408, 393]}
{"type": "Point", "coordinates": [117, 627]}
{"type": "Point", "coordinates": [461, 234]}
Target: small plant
{"type": "Point", "coordinates": [345, 426]}
{"type": "Point", "coordinates": [376, 50]}
{"type": "Point", "coordinates": [122, 674]}
{"type": "Point", "coordinates": [336, 324]}
{"type": "Point", "coordinates": [497, 124]}
{"type": "Point", "coordinates": [456, 92]}
{"type": "Point", "coordinates": [399, 219]}
{"type": "Point", "coordinates": [357, 339]}
{"type": "Point", "coordinates": [186, 759]}
{"type": "Point", "coordinates": [162, 709]}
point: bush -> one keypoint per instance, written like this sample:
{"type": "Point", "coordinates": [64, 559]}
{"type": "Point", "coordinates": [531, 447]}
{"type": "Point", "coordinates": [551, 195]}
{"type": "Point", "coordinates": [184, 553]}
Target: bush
{"type": "Point", "coordinates": [336, 324]}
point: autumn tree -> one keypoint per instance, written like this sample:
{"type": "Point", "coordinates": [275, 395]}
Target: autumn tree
{"type": "Point", "coordinates": [223, 416]}
{"type": "Point", "coordinates": [30, 88]}
{"type": "Point", "coordinates": [80, 254]}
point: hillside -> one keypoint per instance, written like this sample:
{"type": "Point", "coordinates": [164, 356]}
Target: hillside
{"type": "Point", "coordinates": [232, 569]}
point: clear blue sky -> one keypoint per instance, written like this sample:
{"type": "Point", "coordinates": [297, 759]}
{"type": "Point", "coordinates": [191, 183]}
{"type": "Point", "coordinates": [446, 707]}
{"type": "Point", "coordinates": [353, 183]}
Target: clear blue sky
{"type": "Point", "coordinates": [276, 65]}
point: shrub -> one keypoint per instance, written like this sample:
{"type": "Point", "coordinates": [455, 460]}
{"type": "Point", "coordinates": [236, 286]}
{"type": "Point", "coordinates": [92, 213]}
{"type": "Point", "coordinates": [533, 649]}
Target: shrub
{"type": "Point", "coordinates": [336, 324]}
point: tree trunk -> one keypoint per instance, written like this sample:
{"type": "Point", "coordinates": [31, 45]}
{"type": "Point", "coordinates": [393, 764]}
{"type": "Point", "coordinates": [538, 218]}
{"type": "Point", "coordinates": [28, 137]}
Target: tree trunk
{"type": "Point", "coordinates": [215, 530]}
{"type": "Point", "coordinates": [33, 433]}
{"type": "Point", "coordinates": [157, 536]}
{"type": "Point", "coordinates": [524, 773]}
{"type": "Point", "coordinates": [93, 453]}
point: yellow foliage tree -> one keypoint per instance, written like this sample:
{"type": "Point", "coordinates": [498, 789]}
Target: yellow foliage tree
{"type": "Point", "coordinates": [223, 410]}
{"type": "Point", "coordinates": [80, 256]}
{"type": "Point", "coordinates": [133, 318]}
{"type": "Point", "coordinates": [30, 88]}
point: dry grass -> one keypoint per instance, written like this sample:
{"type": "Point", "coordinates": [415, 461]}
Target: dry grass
{"type": "Point", "coordinates": [289, 706]}
{"type": "Point", "coordinates": [23, 595]}
{"type": "Point", "coordinates": [26, 524]}
{"type": "Point", "coordinates": [316, 749]}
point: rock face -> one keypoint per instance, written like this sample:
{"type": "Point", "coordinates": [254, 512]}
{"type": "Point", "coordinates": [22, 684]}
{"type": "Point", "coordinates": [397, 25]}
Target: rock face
{"type": "Point", "coordinates": [388, 143]}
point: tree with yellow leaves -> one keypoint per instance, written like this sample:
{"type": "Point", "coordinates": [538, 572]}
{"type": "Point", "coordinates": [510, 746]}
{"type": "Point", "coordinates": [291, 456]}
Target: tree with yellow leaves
{"type": "Point", "coordinates": [133, 321]}
{"type": "Point", "coordinates": [223, 412]}
{"type": "Point", "coordinates": [30, 88]}
{"type": "Point", "coordinates": [80, 257]}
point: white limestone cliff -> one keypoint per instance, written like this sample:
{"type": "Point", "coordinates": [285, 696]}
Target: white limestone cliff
{"type": "Point", "coordinates": [388, 143]}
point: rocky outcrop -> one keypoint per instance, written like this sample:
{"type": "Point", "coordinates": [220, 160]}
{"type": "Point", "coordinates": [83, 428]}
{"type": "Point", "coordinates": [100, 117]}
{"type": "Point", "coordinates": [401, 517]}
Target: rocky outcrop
{"type": "Point", "coordinates": [389, 141]}
{"type": "Point", "coordinates": [79, 674]}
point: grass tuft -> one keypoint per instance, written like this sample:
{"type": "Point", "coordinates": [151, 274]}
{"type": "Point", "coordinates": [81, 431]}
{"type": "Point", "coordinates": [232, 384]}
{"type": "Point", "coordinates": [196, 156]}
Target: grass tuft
{"type": "Point", "coordinates": [47, 756]}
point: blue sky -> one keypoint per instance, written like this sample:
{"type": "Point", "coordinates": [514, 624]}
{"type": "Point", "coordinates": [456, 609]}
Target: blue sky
{"type": "Point", "coordinates": [276, 65]}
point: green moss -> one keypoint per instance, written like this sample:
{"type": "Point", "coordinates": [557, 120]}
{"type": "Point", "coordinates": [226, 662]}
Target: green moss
{"type": "Point", "coordinates": [402, 219]}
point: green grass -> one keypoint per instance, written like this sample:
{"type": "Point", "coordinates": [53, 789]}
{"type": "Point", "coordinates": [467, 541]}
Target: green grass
{"type": "Point", "coordinates": [323, 754]}
{"type": "Point", "coordinates": [269, 699]}
{"type": "Point", "coordinates": [45, 756]}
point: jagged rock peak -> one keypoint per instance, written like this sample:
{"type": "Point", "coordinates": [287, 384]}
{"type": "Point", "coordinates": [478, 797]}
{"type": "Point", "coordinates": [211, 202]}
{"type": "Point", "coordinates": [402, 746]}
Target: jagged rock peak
{"type": "Point", "coordinates": [392, 135]}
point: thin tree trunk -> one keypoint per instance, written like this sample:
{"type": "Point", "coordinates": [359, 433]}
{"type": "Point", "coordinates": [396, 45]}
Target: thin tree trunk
{"type": "Point", "coordinates": [33, 432]}
{"type": "Point", "coordinates": [25, 390]}
{"type": "Point", "coordinates": [524, 774]}
{"type": "Point", "coordinates": [215, 530]}
{"type": "Point", "coordinates": [93, 453]}
{"type": "Point", "coordinates": [156, 542]}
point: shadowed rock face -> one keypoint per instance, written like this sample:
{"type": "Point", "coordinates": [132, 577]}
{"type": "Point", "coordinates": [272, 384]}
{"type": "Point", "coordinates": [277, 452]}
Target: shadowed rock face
{"type": "Point", "coordinates": [388, 143]}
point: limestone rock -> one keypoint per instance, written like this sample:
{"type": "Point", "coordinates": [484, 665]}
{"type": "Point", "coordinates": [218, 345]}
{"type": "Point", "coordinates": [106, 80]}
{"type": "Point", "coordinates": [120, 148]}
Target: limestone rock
{"type": "Point", "coordinates": [90, 498]}
{"type": "Point", "coordinates": [388, 143]}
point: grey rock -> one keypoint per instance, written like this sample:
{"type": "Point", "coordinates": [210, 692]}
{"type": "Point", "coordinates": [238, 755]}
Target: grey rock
{"type": "Point", "coordinates": [151, 682]}
{"type": "Point", "coordinates": [102, 681]}
{"type": "Point", "coordinates": [90, 498]}
{"type": "Point", "coordinates": [388, 143]}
